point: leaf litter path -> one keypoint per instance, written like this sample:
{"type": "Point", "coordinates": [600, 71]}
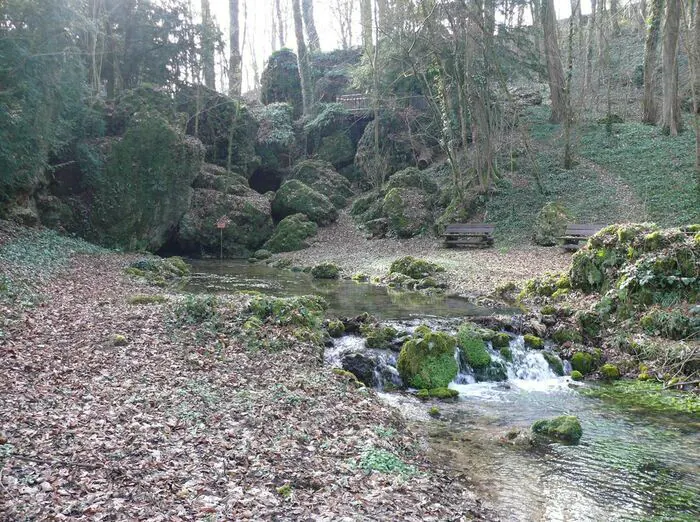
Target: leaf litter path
{"type": "Point", "coordinates": [170, 427]}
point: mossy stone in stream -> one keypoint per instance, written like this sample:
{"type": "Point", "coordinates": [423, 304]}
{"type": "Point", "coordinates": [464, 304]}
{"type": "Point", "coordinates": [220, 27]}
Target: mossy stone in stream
{"type": "Point", "coordinates": [427, 360]}
{"type": "Point", "coordinates": [335, 328]}
{"type": "Point", "coordinates": [566, 428]}
{"type": "Point", "coordinates": [609, 372]}
{"type": "Point", "coordinates": [473, 348]}
{"type": "Point", "coordinates": [554, 363]}
{"type": "Point", "coordinates": [582, 362]}
{"type": "Point", "coordinates": [532, 341]}
{"type": "Point", "coordinates": [496, 371]}
{"type": "Point", "coordinates": [576, 375]}
{"type": "Point", "coordinates": [500, 340]}
{"type": "Point", "coordinates": [379, 337]}
{"type": "Point", "coordinates": [325, 271]}
{"type": "Point", "coordinates": [437, 393]}
{"type": "Point", "coordinates": [415, 268]}
{"type": "Point", "coordinates": [506, 353]}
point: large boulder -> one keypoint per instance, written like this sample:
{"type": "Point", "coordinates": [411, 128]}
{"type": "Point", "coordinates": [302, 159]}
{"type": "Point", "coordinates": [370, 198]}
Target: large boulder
{"type": "Point", "coordinates": [428, 360]}
{"type": "Point", "coordinates": [291, 234]}
{"type": "Point", "coordinates": [550, 224]}
{"type": "Point", "coordinates": [361, 365]}
{"type": "Point", "coordinates": [279, 82]}
{"type": "Point", "coordinates": [407, 212]}
{"type": "Point", "coordinates": [295, 197]}
{"type": "Point", "coordinates": [275, 137]}
{"type": "Point", "coordinates": [140, 185]}
{"type": "Point", "coordinates": [337, 149]}
{"type": "Point", "coordinates": [250, 222]}
{"type": "Point", "coordinates": [322, 177]}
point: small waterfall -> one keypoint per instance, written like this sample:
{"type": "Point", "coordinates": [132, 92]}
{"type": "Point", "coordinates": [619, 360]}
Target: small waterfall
{"type": "Point", "coordinates": [527, 365]}
{"type": "Point", "coordinates": [465, 374]}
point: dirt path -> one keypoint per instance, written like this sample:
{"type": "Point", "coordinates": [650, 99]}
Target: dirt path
{"type": "Point", "coordinates": [471, 272]}
{"type": "Point", "coordinates": [183, 424]}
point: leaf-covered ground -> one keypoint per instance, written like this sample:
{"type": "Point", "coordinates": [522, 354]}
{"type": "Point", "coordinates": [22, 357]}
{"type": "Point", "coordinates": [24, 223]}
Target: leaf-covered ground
{"type": "Point", "coordinates": [184, 423]}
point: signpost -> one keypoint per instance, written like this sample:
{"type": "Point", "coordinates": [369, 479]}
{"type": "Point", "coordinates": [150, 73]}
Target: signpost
{"type": "Point", "coordinates": [221, 224]}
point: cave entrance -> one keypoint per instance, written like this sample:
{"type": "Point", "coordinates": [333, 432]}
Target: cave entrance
{"type": "Point", "coordinates": [265, 180]}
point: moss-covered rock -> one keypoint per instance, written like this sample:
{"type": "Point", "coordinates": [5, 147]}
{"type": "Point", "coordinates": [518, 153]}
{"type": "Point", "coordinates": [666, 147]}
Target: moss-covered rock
{"type": "Point", "coordinates": [554, 362]}
{"type": "Point", "coordinates": [337, 149]}
{"type": "Point", "coordinates": [157, 270]}
{"type": "Point", "coordinates": [473, 348]}
{"type": "Point", "coordinates": [275, 138]}
{"type": "Point", "coordinates": [412, 178]}
{"type": "Point", "coordinates": [140, 184]}
{"type": "Point", "coordinates": [325, 271]}
{"type": "Point", "coordinates": [583, 362]}
{"type": "Point", "coordinates": [380, 337]}
{"type": "Point", "coordinates": [291, 234]}
{"type": "Point", "coordinates": [427, 360]}
{"type": "Point", "coordinates": [249, 223]}
{"type": "Point", "coordinates": [414, 268]}
{"type": "Point", "coordinates": [362, 366]}
{"type": "Point", "coordinates": [335, 328]}
{"type": "Point", "coordinates": [609, 372]}
{"type": "Point", "coordinates": [305, 311]}
{"type": "Point", "coordinates": [564, 334]}
{"type": "Point", "coordinates": [532, 341]}
{"type": "Point", "coordinates": [295, 197]}
{"type": "Point", "coordinates": [322, 177]}
{"type": "Point", "coordinates": [550, 224]}
{"type": "Point", "coordinates": [566, 428]}
{"type": "Point", "coordinates": [576, 375]}
{"type": "Point", "coordinates": [442, 393]}
{"type": "Point", "coordinates": [506, 353]}
{"type": "Point", "coordinates": [500, 340]}
{"type": "Point", "coordinates": [496, 371]}
{"type": "Point", "coordinates": [280, 82]}
{"type": "Point", "coordinates": [119, 340]}
{"type": "Point", "coordinates": [407, 210]}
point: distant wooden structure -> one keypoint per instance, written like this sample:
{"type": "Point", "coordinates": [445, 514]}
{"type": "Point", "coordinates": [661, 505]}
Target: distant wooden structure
{"type": "Point", "coordinates": [363, 102]}
{"type": "Point", "coordinates": [575, 233]}
{"type": "Point", "coordinates": [474, 235]}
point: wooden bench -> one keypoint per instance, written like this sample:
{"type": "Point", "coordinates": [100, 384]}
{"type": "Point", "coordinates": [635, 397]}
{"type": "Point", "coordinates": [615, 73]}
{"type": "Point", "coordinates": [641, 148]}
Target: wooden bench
{"type": "Point", "coordinates": [479, 235]}
{"type": "Point", "coordinates": [576, 233]}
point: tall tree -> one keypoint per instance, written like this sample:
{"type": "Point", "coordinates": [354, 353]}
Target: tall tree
{"type": "Point", "coordinates": [366, 22]}
{"type": "Point", "coordinates": [651, 50]}
{"type": "Point", "coordinates": [555, 71]}
{"type": "Point", "coordinates": [615, 17]}
{"type": "Point", "coordinates": [310, 25]}
{"type": "Point", "coordinates": [303, 60]}
{"type": "Point", "coordinates": [343, 11]}
{"type": "Point", "coordinates": [590, 48]}
{"type": "Point", "coordinates": [281, 26]}
{"type": "Point", "coordinates": [235, 76]}
{"type": "Point", "coordinates": [671, 110]}
{"type": "Point", "coordinates": [208, 46]}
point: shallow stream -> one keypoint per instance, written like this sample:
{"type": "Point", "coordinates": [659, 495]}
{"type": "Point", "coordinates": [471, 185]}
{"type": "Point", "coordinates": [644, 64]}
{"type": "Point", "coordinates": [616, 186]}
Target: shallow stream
{"type": "Point", "coordinates": [629, 465]}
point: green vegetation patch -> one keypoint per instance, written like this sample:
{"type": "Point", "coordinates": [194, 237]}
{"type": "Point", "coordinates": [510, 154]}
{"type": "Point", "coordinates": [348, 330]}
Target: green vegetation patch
{"type": "Point", "coordinates": [382, 461]}
{"type": "Point", "coordinates": [437, 393]}
{"type": "Point", "coordinates": [325, 271]}
{"type": "Point", "coordinates": [473, 348]}
{"type": "Point", "coordinates": [380, 337]}
{"type": "Point", "coordinates": [291, 234]}
{"type": "Point", "coordinates": [646, 395]}
{"type": "Point", "coordinates": [143, 299]}
{"type": "Point", "coordinates": [415, 268]}
{"type": "Point", "coordinates": [300, 311]}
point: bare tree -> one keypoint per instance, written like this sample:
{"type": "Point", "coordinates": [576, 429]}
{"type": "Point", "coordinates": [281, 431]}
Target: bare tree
{"type": "Point", "coordinates": [208, 46]}
{"type": "Point", "coordinates": [651, 48]}
{"type": "Point", "coordinates": [555, 71]}
{"type": "Point", "coordinates": [615, 17]}
{"type": "Point", "coordinates": [235, 79]}
{"type": "Point", "coordinates": [366, 21]}
{"type": "Point", "coordinates": [343, 12]}
{"type": "Point", "coordinates": [590, 47]}
{"type": "Point", "coordinates": [671, 110]}
{"type": "Point", "coordinates": [281, 26]}
{"type": "Point", "coordinates": [310, 25]}
{"type": "Point", "coordinates": [302, 59]}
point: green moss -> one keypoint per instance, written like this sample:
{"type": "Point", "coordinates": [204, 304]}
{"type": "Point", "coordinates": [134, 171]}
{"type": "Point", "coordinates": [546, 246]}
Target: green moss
{"type": "Point", "coordinates": [379, 337]}
{"type": "Point", "coordinates": [407, 212]}
{"type": "Point", "coordinates": [644, 376]}
{"type": "Point", "coordinates": [360, 277]}
{"type": "Point", "coordinates": [322, 177]}
{"type": "Point", "coordinates": [427, 360]}
{"type": "Point", "coordinates": [415, 268]}
{"type": "Point", "coordinates": [567, 335]}
{"type": "Point", "coordinates": [337, 149]}
{"type": "Point", "coordinates": [300, 311]}
{"type": "Point", "coordinates": [142, 299]}
{"type": "Point", "coordinates": [434, 411]}
{"type": "Point", "coordinates": [291, 234]}
{"type": "Point", "coordinates": [412, 178]}
{"type": "Point", "coordinates": [500, 340]}
{"type": "Point", "coordinates": [506, 353]}
{"type": "Point", "coordinates": [576, 375]}
{"type": "Point", "coordinates": [554, 363]}
{"type": "Point", "coordinates": [473, 348]}
{"type": "Point", "coordinates": [285, 491]}
{"type": "Point", "coordinates": [119, 340]}
{"type": "Point", "coordinates": [437, 393]}
{"type": "Point", "coordinates": [533, 341]}
{"type": "Point", "coordinates": [279, 82]}
{"type": "Point", "coordinates": [589, 322]}
{"type": "Point", "coordinates": [566, 428]}
{"type": "Point", "coordinates": [648, 396]}
{"type": "Point", "coordinates": [295, 197]}
{"type": "Point", "coordinates": [325, 271]}
{"type": "Point", "coordinates": [609, 372]}
{"type": "Point", "coordinates": [548, 310]}
{"type": "Point", "coordinates": [550, 224]}
{"type": "Point", "coordinates": [335, 328]}
{"type": "Point", "coordinates": [582, 362]}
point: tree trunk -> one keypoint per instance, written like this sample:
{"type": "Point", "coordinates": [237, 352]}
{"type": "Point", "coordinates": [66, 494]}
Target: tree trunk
{"type": "Point", "coordinates": [651, 47]}
{"type": "Point", "coordinates": [614, 17]}
{"type": "Point", "coordinates": [208, 46]}
{"type": "Point", "coordinates": [302, 60]}
{"type": "Point", "coordinates": [671, 110]}
{"type": "Point", "coordinates": [555, 72]}
{"type": "Point", "coordinates": [308, 15]}
{"type": "Point", "coordinates": [280, 24]}
{"type": "Point", "coordinates": [569, 118]}
{"type": "Point", "coordinates": [235, 78]}
{"type": "Point", "coordinates": [694, 62]}
{"type": "Point", "coordinates": [383, 9]}
{"type": "Point", "coordinates": [366, 20]}
{"type": "Point", "coordinates": [590, 48]}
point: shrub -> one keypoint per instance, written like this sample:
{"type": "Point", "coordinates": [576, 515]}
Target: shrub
{"type": "Point", "coordinates": [196, 309]}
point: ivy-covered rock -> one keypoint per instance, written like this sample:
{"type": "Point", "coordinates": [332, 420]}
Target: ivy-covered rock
{"type": "Point", "coordinates": [414, 267]}
{"type": "Point", "coordinates": [566, 428]}
{"type": "Point", "coordinates": [295, 197]}
{"type": "Point", "coordinates": [141, 183]}
{"type": "Point", "coordinates": [322, 177]}
{"type": "Point", "coordinates": [250, 223]}
{"type": "Point", "coordinates": [550, 224]}
{"type": "Point", "coordinates": [275, 139]}
{"type": "Point", "coordinates": [306, 311]}
{"type": "Point", "coordinates": [427, 360]}
{"type": "Point", "coordinates": [291, 234]}
{"type": "Point", "coordinates": [279, 82]}
{"type": "Point", "coordinates": [407, 210]}
{"type": "Point", "coordinates": [337, 149]}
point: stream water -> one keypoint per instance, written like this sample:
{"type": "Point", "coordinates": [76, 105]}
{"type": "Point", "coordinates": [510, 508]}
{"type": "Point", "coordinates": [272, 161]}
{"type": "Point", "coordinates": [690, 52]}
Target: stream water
{"type": "Point", "coordinates": [629, 465]}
